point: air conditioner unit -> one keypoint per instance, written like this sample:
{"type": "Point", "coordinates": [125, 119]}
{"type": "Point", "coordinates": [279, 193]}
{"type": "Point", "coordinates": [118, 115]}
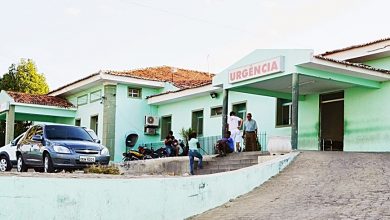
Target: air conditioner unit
{"type": "Point", "coordinates": [152, 121]}
{"type": "Point", "coordinates": [150, 131]}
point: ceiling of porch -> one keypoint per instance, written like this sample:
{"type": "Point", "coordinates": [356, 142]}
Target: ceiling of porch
{"type": "Point", "coordinates": [307, 85]}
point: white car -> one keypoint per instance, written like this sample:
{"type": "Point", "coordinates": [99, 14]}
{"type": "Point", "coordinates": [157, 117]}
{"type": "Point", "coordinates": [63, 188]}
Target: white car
{"type": "Point", "coordinates": [8, 155]}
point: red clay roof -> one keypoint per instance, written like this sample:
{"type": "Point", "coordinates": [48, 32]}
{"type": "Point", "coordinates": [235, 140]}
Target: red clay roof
{"type": "Point", "coordinates": [360, 65]}
{"type": "Point", "coordinates": [181, 78]}
{"type": "Point", "coordinates": [39, 99]}
{"type": "Point", "coordinates": [353, 47]}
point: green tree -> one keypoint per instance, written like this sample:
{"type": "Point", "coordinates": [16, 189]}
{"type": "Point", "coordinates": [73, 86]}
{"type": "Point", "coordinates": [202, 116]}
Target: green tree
{"type": "Point", "coordinates": [24, 78]}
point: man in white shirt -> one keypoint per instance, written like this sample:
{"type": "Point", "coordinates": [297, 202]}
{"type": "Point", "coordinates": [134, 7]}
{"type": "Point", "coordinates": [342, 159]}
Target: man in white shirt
{"type": "Point", "coordinates": [235, 123]}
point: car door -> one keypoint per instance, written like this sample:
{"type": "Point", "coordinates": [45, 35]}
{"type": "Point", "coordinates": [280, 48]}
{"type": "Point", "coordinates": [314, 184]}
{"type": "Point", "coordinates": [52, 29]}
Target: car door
{"type": "Point", "coordinates": [36, 148]}
{"type": "Point", "coordinates": [12, 149]}
{"type": "Point", "coordinates": [25, 145]}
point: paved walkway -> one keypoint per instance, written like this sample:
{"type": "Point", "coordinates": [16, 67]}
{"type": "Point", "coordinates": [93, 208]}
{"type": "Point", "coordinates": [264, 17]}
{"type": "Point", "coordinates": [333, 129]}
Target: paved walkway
{"type": "Point", "coordinates": [318, 185]}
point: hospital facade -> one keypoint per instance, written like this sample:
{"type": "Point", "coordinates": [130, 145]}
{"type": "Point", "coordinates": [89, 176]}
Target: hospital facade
{"type": "Point", "coordinates": [337, 100]}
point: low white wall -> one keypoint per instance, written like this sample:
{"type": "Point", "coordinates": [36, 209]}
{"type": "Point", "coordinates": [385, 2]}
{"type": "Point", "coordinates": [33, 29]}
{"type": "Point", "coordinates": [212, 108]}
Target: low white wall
{"type": "Point", "coordinates": [136, 198]}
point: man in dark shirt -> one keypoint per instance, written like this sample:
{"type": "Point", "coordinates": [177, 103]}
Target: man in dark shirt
{"type": "Point", "coordinates": [171, 144]}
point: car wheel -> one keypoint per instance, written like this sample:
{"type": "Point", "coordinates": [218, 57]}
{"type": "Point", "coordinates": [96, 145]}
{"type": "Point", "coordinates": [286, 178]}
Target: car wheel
{"type": "Point", "coordinates": [47, 164]}
{"type": "Point", "coordinates": [21, 166]}
{"type": "Point", "coordinates": [5, 164]}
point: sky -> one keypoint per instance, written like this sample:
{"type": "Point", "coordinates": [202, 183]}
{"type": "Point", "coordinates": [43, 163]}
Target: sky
{"type": "Point", "coordinates": [71, 39]}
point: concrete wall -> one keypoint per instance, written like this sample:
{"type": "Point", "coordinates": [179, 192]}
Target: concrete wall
{"type": "Point", "coordinates": [137, 198]}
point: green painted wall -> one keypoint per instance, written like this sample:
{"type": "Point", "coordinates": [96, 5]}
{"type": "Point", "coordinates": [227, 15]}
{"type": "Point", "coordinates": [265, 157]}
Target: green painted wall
{"type": "Point", "coordinates": [41, 110]}
{"type": "Point", "coordinates": [182, 113]}
{"type": "Point", "coordinates": [84, 112]}
{"type": "Point", "coordinates": [366, 119]}
{"type": "Point", "coordinates": [308, 123]}
{"type": "Point", "coordinates": [130, 118]}
{"type": "Point", "coordinates": [383, 63]}
{"type": "Point", "coordinates": [44, 118]}
{"type": "Point", "coordinates": [262, 108]}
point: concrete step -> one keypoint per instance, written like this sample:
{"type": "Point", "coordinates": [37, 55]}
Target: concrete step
{"type": "Point", "coordinates": [221, 168]}
{"type": "Point", "coordinates": [215, 170]}
{"type": "Point", "coordinates": [229, 162]}
{"type": "Point", "coordinates": [244, 155]}
{"type": "Point", "coordinates": [225, 162]}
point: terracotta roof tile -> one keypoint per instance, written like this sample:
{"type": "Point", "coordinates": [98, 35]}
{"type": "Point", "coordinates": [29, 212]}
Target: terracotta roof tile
{"type": "Point", "coordinates": [39, 99]}
{"type": "Point", "coordinates": [360, 65]}
{"type": "Point", "coordinates": [353, 47]}
{"type": "Point", "coordinates": [180, 78]}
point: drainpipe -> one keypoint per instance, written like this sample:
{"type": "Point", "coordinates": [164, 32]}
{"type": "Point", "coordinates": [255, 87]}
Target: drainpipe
{"type": "Point", "coordinates": [294, 112]}
{"type": "Point", "coordinates": [224, 110]}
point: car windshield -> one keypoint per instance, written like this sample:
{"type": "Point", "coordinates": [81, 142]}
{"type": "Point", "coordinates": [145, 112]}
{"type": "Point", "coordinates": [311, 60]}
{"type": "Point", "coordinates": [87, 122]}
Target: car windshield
{"type": "Point", "coordinates": [55, 132]}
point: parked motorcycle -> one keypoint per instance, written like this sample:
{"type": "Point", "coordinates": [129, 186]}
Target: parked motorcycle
{"type": "Point", "coordinates": [132, 155]}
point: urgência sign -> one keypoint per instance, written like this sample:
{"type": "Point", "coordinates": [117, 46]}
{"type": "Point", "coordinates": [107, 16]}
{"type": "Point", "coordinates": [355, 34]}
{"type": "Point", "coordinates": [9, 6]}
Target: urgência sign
{"type": "Point", "coordinates": [258, 69]}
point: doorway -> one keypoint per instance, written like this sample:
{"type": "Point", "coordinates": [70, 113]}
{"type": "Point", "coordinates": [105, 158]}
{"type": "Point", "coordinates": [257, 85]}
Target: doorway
{"type": "Point", "coordinates": [332, 121]}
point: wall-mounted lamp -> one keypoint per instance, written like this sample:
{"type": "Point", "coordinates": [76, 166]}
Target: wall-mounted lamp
{"type": "Point", "coordinates": [213, 95]}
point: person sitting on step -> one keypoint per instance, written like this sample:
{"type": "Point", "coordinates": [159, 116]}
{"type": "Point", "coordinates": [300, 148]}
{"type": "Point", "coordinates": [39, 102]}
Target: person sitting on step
{"type": "Point", "coordinates": [225, 145]}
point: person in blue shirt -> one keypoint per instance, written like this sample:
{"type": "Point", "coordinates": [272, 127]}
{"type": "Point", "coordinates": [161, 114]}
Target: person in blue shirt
{"type": "Point", "coordinates": [225, 145]}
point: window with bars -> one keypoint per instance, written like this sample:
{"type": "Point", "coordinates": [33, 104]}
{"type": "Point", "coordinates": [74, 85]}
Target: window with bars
{"type": "Point", "coordinates": [134, 92]}
{"type": "Point", "coordinates": [94, 123]}
{"type": "Point", "coordinates": [166, 126]}
{"type": "Point", "coordinates": [197, 122]}
{"type": "Point", "coordinates": [82, 100]}
{"type": "Point", "coordinates": [77, 122]}
{"type": "Point", "coordinates": [283, 112]}
{"type": "Point", "coordinates": [216, 111]}
{"type": "Point", "coordinates": [95, 96]}
{"type": "Point", "coordinates": [240, 110]}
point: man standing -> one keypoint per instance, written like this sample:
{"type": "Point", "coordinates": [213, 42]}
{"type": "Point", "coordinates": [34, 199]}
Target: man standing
{"type": "Point", "coordinates": [235, 123]}
{"type": "Point", "coordinates": [250, 133]}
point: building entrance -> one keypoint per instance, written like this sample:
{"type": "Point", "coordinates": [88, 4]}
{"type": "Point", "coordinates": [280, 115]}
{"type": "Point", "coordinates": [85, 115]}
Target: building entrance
{"type": "Point", "coordinates": [332, 121]}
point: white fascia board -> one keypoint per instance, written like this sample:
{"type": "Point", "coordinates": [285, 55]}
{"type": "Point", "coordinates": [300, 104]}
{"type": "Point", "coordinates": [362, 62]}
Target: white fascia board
{"type": "Point", "coordinates": [133, 81]}
{"type": "Point", "coordinates": [76, 85]}
{"type": "Point", "coordinates": [183, 95]}
{"type": "Point", "coordinates": [106, 78]}
{"type": "Point", "coordinates": [42, 106]}
{"type": "Point", "coordinates": [360, 52]}
{"type": "Point", "coordinates": [330, 66]}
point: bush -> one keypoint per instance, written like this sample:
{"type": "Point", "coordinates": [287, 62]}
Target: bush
{"type": "Point", "coordinates": [103, 169]}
